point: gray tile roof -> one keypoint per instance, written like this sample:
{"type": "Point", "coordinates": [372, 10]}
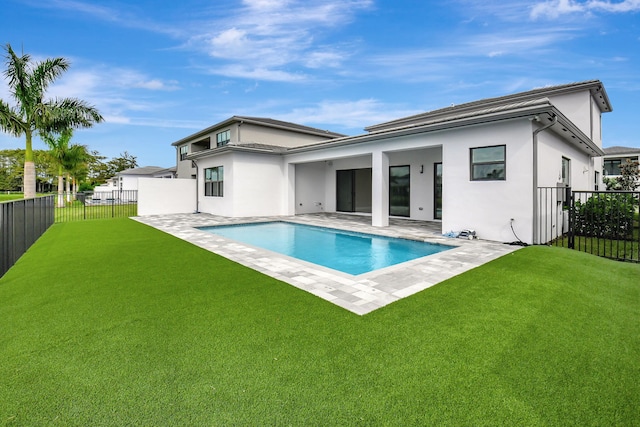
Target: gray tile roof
{"type": "Point", "coordinates": [145, 170]}
{"type": "Point", "coordinates": [283, 124]}
{"type": "Point", "coordinates": [595, 86]}
{"type": "Point", "coordinates": [616, 150]}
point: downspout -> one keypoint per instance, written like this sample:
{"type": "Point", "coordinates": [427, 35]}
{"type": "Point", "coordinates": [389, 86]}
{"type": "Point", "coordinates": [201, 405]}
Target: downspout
{"type": "Point", "coordinates": [535, 173]}
{"type": "Point", "coordinates": [195, 165]}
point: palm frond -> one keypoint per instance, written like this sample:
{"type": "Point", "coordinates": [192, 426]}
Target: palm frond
{"type": "Point", "coordinates": [18, 72]}
{"type": "Point", "coordinates": [10, 120]}
{"type": "Point", "coordinates": [71, 112]}
{"type": "Point", "coordinates": [46, 72]}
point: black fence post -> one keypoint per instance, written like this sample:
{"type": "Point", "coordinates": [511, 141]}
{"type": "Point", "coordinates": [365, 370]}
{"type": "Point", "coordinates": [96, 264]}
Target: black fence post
{"type": "Point", "coordinates": [570, 197]}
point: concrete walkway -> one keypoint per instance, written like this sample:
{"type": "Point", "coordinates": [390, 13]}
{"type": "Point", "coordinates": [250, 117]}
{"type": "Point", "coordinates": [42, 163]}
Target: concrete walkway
{"type": "Point", "coordinates": [359, 294]}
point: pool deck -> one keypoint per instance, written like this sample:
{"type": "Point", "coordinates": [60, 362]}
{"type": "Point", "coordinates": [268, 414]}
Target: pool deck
{"type": "Point", "coordinates": [359, 294]}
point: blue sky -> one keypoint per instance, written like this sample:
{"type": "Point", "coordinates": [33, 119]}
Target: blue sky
{"type": "Point", "coordinates": [161, 70]}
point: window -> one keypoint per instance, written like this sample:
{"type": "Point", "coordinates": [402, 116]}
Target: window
{"type": "Point", "coordinates": [596, 184]}
{"type": "Point", "coordinates": [223, 138]}
{"type": "Point", "coordinates": [612, 166]}
{"type": "Point", "coordinates": [566, 171]}
{"type": "Point", "coordinates": [184, 150]}
{"type": "Point", "coordinates": [399, 190]}
{"type": "Point", "coordinates": [213, 181]}
{"type": "Point", "coordinates": [488, 163]}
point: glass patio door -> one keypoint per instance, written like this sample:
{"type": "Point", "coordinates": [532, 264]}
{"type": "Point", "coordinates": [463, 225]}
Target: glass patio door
{"type": "Point", "coordinates": [353, 190]}
{"type": "Point", "coordinates": [437, 191]}
{"type": "Point", "coordinates": [399, 190]}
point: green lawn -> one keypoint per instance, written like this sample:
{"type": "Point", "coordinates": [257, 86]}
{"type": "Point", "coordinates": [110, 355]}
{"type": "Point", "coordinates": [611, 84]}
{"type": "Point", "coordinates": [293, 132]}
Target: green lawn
{"type": "Point", "coordinates": [110, 322]}
{"type": "Point", "coordinates": [4, 197]}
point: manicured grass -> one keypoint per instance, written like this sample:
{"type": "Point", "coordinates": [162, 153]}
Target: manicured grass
{"type": "Point", "coordinates": [4, 197]}
{"type": "Point", "coordinates": [110, 322]}
{"type": "Point", "coordinates": [78, 211]}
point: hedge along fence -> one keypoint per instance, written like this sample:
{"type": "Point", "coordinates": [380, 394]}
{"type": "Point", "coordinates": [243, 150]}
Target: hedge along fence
{"type": "Point", "coordinates": [22, 222]}
{"type": "Point", "coordinates": [605, 224]}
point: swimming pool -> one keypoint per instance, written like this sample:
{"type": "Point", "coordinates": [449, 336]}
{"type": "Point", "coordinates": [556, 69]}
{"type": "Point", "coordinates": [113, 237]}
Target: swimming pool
{"type": "Point", "coordinates": [349, 252]}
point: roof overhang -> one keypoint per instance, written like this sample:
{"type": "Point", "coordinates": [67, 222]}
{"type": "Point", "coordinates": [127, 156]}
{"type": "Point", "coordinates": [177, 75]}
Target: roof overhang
{"type": "Point", "coordinates": [231, 148]}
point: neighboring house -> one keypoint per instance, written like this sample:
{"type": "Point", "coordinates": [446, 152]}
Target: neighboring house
{"type": "Point", "coordinates": [472, 166]}
{"type": "Point", "coordinates": [128, 180]}
{"type": "Point", "coordinates": [250, 133]}
{"type": "Point", "coordinates": [616, 156]}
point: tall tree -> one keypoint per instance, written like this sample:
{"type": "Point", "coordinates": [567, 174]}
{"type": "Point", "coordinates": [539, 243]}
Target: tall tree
{"type": "Point", "coordinates": [76, 167]}
{"type": "Point", "coordinates": [59, 149]}
{"type": "Point", "coordinates": [33, 114]}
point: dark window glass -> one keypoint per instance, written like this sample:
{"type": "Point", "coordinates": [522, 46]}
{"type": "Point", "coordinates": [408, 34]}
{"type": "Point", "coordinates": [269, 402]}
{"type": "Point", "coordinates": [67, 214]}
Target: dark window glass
{"type": "Point", "coordinates": [213, 181]}
{"type": "Point", "coordinates": [223, 138]}
{"type": "Point", "coordinates": [399, 190]}
{"type": "Point", "coordinates": [488, 163]}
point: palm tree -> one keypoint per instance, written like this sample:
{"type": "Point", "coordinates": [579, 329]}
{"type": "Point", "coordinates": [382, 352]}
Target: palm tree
{"type": "Point", "coordinates": [75, 165]}
{"type": "Point", "coordinates": [59, 148]}
{"type": "Point", "coordinates": [33, 114]}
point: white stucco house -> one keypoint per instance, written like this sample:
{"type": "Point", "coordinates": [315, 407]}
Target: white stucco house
{"type": "Point", "coordinates": [471, 166]}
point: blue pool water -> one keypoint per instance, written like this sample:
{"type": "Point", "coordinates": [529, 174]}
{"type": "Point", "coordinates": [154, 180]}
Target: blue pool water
{"type": "Point", "coordinates": [352, 253]}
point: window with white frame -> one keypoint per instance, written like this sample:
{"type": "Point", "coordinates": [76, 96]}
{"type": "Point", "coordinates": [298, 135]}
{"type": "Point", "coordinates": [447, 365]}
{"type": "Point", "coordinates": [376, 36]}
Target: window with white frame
{"type": "Point", "coordinates": [489, 163]}
{"type": "Point", "coordinates": [223, 138]}
{"type": "Point", "coordinates": [213, 181]}
{"type": "Point", "coordinates": [184, 150]}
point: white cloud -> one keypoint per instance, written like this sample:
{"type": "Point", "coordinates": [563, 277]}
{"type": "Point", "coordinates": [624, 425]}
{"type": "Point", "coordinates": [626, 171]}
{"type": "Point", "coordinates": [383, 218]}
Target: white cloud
{"type": "Point", "coordinates": [350, 114]}
{"type": "Point", "coordinates": [277, 34]}
{"type": "Point", "coordinates": [123, 17]}
{"type": "Point", "coordinates": [257, 73]}
{"type": "Point", "coordinates": [556, 8]}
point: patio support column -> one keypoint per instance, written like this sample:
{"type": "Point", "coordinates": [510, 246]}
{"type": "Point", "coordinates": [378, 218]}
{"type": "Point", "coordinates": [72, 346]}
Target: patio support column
{"type": "Point", "coordinates": [290, 189]}
{"type": "Point", "coordinates": [380, 189]}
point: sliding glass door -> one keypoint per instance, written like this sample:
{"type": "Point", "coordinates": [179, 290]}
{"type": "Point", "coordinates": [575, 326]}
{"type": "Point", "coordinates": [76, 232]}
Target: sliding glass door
{"type": "Point", "coordinates": [353, 190]}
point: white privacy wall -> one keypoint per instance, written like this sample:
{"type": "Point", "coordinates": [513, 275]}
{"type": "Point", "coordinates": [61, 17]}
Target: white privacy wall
{"type": "Point", "coordinates": [166, 196]}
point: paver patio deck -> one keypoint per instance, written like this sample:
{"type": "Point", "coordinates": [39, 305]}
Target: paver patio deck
{"type": "Point", "coordinates": [359, 294]}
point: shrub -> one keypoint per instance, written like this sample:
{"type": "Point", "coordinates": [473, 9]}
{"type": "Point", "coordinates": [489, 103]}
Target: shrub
{"type": "Point", "coordinates": [609, 216]}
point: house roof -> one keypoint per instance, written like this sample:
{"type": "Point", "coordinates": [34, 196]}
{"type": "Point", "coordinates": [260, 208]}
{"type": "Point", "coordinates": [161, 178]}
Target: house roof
{"type": "Point", "coordinates": [145, 170]}
{"type": "Point", "coordinates": [594, 86]}
{"type": "Point", "coordinates": [542, 109]}
{"type": "Point", "coordinates": [618, 150]}
{"type": "Point", "coordinates": [261, 121]}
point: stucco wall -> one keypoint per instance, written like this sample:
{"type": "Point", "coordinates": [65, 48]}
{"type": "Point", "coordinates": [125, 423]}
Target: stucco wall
{"type": "Point", "coordinates": [488, 206]}
{"type": "Point", "coordinates": [551, 150]}
{"type": "Point", "coordinates": [258, 184]}
{"type": "Point", "coordinates": [310, 187]}
{"type": "Point", "coordinates": [283, 138]}
{"type": "Point", "coordinates": [166, 196]}
{"type": "Point", "coordinates": [577, 108]}
{"type": "Point", "coordinates": [217, 205]}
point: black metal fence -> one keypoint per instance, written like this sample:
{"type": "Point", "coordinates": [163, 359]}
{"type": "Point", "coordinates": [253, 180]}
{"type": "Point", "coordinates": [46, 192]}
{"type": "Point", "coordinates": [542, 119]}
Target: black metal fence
{"type": "Point", "coordinates": [603, 223]}
{"type": "Point", "coordinates": [22, 222]}
{"type": "Point", "coordinates": [98, 205]}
